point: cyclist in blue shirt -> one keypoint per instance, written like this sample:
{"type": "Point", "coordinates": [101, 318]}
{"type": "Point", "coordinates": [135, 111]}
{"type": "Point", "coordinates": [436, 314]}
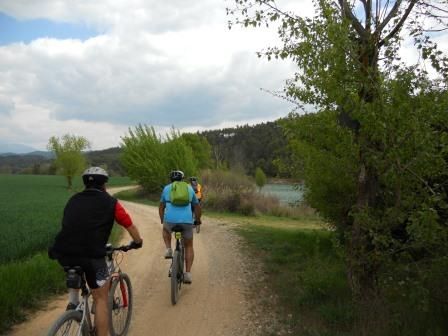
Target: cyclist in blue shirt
{"type": "Point", "coordinates": [172, 215]}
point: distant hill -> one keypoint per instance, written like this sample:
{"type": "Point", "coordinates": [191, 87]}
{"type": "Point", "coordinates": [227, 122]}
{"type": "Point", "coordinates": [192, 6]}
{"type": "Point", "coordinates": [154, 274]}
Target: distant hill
{"type": "Point", "coordinates": [7, 148]}
{"type": "Point", "coordinates": [41, 162]}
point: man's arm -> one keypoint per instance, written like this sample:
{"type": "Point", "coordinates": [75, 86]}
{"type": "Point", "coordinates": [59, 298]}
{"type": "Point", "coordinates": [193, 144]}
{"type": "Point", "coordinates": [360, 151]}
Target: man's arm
{"type": "Point", "coordinates": [197, 213]}
{"type": "Point", "coordinates": [161, 211]}
{"type": "Point", "coordinates": [135, 234]}
{"type": "Point", "coordinates": [123, 218]}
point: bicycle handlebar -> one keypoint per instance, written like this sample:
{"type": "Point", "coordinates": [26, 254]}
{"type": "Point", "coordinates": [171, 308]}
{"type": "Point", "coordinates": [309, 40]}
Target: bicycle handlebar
{"type": "Point", "coordinates": [123, 248]}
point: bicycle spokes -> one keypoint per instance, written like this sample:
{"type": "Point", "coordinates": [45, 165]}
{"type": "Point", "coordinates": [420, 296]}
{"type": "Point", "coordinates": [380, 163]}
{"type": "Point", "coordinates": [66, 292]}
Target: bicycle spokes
{"type": "Point", "coordinates": [124, 294]}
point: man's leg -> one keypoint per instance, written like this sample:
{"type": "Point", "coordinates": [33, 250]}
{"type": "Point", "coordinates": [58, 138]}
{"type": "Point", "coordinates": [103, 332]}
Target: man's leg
{"type": "Point", "coordinates": [166, 238]}
{"type": "Point", "coordinates": [100, 295]}
{"type": "Point", "coordinates": [189, 254]}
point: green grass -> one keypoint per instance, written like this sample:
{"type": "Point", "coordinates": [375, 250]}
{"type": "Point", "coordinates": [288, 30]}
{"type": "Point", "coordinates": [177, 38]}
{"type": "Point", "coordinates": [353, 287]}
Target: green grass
{"type": "Point", "coordinates": [31, 210]}
{"type": "Point", "coordinates": [305, 270]}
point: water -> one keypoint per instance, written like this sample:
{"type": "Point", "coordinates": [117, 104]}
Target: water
{"type": "Point", "coordinates": [286, 193]}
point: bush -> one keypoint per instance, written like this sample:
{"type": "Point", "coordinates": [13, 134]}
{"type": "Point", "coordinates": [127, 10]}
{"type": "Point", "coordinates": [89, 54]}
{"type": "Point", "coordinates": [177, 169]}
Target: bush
{"type": "Point", "coordinates": [235, 192]}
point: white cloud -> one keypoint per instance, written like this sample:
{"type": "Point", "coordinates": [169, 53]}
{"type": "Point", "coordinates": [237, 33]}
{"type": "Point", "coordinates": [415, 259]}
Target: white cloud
{"type": "Point", "coordinates": [194, 73]}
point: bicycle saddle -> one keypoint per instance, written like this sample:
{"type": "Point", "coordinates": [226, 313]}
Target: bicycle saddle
{"type": "Point", "coordinates": [177, 228]}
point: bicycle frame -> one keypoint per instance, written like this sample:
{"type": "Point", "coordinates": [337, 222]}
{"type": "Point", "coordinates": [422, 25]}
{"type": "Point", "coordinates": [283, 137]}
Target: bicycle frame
{"type": "Point", "coordinates": [177, 265]}
{"type": "Point", "coordinates": [115, 271]}
{"type": "Point", "coordinates": [84, 308]}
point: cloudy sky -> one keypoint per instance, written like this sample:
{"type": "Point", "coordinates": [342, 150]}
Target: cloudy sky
{"type": "Point", "coordinates": [96, 68]}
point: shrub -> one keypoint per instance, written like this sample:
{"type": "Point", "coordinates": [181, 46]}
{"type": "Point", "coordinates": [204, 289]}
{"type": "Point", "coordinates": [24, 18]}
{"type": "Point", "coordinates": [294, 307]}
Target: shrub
{"type": "Point", "coordinates": [235, 192]}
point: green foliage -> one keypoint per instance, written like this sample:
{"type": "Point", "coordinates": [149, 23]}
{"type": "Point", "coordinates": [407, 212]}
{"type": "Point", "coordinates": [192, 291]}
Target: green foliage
{"type": "Point", "coordinates": [326, 155]}
{"type": "Point", "coordinates": [380, 179]}
{"type": "Point", "coordinates": [201, 149]}
{"type": "Point", "coordinates": [178, 155]}
{"type": "Point", "coordinates": [260, 178]}
{"type": "Point", "coordinates": [148, 159]}
{"type": "Point", "coordinates": [68, 151]}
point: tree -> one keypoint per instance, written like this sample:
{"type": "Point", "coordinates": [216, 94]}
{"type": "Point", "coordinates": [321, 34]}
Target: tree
{"type": "Point", "coordinates": [69, 160]}
{"type": "Point", "coordinates": [201, 149]}
{"type": "Point", "coordinates": [148, 158]}
{"type": "Point", "coordinates": [260, 178]}
{"type": "Point", "coordinates": [388, 117]}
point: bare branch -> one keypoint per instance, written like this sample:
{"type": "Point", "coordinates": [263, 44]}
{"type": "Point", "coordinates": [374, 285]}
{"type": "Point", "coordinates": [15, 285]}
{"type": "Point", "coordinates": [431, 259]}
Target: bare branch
{"type": "Point", "coordinates": [399, 24]}
{"type": "Point", "coordinates": [347, 12]}
{"type": "Point", "coordinates": [389, 16]}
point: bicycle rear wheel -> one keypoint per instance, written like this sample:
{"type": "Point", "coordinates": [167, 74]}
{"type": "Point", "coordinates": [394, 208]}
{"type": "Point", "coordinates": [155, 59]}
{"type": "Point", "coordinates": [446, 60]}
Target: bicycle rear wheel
{"type": "Point", "coordinates": [120, 305]}
{"type": "Point", "coordinates": [176, 277]}
{"type": "Point", "coordinates": [68, 324]}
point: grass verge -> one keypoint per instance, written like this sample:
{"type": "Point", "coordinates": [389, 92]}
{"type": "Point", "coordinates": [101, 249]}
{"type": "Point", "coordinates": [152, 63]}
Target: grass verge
{"type": "Point", "coordinates": [305, 273]}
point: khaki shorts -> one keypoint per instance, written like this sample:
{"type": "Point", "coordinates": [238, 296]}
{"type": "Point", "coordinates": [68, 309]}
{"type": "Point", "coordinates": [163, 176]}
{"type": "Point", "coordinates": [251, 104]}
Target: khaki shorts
{"type": "Point", "coordinates": [187, 232]}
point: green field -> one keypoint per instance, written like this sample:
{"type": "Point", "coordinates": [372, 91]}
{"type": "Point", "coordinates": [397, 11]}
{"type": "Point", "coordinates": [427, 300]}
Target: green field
{"type": "Point", "coordinates": [31, 208]}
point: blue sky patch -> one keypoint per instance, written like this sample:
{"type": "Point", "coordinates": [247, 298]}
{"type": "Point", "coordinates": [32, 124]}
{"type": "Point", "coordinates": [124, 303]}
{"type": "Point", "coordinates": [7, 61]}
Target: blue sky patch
{"type": "Point", "coordinates": [13, 30]}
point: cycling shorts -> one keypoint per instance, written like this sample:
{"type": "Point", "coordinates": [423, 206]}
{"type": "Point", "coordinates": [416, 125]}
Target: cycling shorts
{"type": "Point", "coordinates": [187, 233]}
{"type": "Point", "coordinates": [95, 270]}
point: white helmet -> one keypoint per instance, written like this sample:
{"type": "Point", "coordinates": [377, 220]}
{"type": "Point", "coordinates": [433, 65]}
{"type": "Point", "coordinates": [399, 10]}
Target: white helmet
{"type": "Point", "coordinates": [95, 176]}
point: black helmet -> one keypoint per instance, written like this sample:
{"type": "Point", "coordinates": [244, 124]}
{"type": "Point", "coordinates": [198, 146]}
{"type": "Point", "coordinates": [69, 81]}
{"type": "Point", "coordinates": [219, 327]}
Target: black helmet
{"type": "Point", "coordinates": [193, 179]}
{"type": "Point", "coordinates": [95, 176]}
{"type": "Point", "coordinates": [176, 175]}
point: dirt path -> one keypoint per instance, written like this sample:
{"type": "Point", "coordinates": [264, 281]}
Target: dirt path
{"type": "Point", "coordinates": [214, 304]}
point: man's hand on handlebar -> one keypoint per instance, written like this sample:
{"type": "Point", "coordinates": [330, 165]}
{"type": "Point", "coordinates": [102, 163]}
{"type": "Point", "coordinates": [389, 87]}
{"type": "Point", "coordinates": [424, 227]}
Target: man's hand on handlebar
{"type": "Point", "coordinates": [197, 222]}
{"type": "Point", "coordinates": [136, 245]}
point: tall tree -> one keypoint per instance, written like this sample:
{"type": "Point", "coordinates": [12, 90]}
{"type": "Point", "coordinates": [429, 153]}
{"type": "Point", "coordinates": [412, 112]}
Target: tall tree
{"type": "Point", "coordinates": [349, 68]}
{"type": "Point", "coordinates": [148, 158]}
{"type": "Point", "coordinates": [202, 150]}
{"type": "Point", "coordinates": [70, 160]}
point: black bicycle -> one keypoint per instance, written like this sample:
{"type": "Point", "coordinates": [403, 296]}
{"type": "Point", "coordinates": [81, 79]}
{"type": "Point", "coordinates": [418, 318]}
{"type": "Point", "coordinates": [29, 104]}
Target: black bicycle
{"type": "Point", "coordinates": [177, 265]}
{"type": "Point", "coordinates": [79, 321]}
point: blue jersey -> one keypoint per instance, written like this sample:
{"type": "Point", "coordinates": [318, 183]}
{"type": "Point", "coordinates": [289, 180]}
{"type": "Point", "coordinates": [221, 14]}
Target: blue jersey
{"type": "Point", "coordinates": [175, 214]}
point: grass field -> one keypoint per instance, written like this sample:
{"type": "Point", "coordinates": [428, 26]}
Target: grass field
{"type": "Point", "coordinates": [31, 209]}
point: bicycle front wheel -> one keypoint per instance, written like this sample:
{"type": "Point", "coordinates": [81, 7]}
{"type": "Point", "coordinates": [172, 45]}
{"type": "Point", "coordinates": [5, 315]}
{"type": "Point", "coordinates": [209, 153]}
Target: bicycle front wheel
{"type": "Point", "coordinates": [120, 305]}
{"type": "Point", "coordinates": [69, 324]}
{"type": "Point", "coordinates": [175, 277]}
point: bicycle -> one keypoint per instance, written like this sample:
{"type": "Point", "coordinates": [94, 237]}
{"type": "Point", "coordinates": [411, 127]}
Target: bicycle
{"type": "Point", "coordinates": [177, 265]}
{"type": "Point", "coordinates": [79, 321]}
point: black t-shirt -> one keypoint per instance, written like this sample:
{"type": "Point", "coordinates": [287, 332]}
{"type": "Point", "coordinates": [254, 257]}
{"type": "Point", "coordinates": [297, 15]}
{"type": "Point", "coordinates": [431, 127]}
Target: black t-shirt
{"type": "Point", "coordinates": [86, 225]}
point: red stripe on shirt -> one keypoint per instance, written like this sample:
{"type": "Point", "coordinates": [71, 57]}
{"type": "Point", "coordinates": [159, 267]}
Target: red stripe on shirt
{"type": "Point", "coordinates": [121, 216]}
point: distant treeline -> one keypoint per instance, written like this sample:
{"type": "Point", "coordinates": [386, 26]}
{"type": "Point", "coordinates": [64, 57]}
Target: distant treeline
{"type": "Point", "coordinates": [243, 148]}
{"type": "Point", "coordinates": [248, 147]}
{"type": "Point", "coordinates": [43, 164]}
